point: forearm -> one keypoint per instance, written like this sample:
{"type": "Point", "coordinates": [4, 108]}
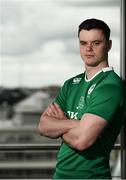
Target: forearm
{"type": "Point", "coordinates": [71, 138]}
{"type": "Point", "coordinates": [89, 130]}
{"type": "Point", "coordinates": [53, 127]}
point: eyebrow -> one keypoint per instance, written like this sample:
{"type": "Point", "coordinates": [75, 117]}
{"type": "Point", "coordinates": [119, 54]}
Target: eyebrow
{"type": "Point", "coordinates": [97, 40]}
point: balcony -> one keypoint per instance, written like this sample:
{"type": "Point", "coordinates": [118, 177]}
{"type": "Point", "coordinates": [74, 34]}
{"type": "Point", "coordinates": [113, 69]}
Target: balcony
{"type": "Point", "coordinates": [34, 159]}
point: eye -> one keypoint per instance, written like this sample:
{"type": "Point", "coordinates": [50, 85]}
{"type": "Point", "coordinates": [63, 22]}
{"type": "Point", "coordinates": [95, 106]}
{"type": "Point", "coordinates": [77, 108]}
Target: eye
{"type": "Point", "coordinates": [96, 43]}
{"type": "Point", "coordinates": [83, 43]}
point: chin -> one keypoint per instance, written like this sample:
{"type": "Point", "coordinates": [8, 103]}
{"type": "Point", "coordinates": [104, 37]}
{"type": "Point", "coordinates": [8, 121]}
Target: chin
{"type": "Point", "coordinates": [94, 64]}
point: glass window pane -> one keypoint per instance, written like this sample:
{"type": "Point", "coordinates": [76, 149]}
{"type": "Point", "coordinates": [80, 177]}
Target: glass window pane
{"type": "Point", "coordinates": [39, 50]}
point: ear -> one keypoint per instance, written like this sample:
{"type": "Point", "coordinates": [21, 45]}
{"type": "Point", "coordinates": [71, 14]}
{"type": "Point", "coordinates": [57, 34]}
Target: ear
{"type": "Point", "coordinates": [109, 45]}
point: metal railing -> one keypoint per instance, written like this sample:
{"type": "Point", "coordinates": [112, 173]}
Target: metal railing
{"type": "Point", "coordinates": [29, 147]}
{"type": "Point", "coordinates": [32, 147]}
{"type": "Point", "coordinates": [20, 147]}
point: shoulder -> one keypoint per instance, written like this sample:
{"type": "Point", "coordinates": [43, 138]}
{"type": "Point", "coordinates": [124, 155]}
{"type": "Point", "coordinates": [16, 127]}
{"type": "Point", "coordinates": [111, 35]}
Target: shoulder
{"type": "Point", "coordinates": [71, 82]}
{"type": "Point", "coordinates": [113, 79]}
{"type": "Point", "coordinates": [111, 85]}
{"type": "Point", "coordinates": [74, 80]}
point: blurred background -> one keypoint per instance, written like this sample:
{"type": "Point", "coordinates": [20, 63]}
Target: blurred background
{"type": "Point", "coordinates": [39, 50]}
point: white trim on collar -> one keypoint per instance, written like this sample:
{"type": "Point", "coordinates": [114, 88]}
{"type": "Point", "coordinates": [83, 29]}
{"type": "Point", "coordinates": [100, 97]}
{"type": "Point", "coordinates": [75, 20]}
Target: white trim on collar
{"type": "Point", "coordinates": [87, 80]}
{"type": "Point", "coordinates": [103, 69]}
{"type": "Point", "coordinates": [107, 69]}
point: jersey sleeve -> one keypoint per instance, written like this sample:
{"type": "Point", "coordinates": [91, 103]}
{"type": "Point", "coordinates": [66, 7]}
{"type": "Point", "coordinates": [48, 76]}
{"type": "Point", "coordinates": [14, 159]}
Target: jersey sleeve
{"type": "Point", "coordinates": [105, 101]}
{"type": "Point", "coordinates": [62, 96]}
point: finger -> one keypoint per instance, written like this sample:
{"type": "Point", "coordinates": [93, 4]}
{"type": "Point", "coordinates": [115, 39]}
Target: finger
{"type": "Point", "coordinates": [54, 109]}
{"type": "Point", "coordinates": [57, 106]}
{"type": "Point", "coordinates": [59, 110]}
{"type": "Point", "coordinates": [49, 111]}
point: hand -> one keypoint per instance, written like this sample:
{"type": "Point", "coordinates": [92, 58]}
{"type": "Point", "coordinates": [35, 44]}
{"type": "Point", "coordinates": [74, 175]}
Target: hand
{"type": "Point", "coordinates": [55, 111]}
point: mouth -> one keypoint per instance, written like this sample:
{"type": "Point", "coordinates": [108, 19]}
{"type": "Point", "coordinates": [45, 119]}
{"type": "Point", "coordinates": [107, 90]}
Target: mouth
{"type": "Point", "coordinates": [89, 56]}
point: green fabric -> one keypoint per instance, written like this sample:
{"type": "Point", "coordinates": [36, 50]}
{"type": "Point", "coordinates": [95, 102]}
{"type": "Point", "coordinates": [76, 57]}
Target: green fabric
{"type": "Point", "coordinates": [103, 96]}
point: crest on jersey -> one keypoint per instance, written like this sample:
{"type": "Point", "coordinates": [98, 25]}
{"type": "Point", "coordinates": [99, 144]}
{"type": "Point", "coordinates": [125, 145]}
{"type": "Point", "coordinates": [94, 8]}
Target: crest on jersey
{"type": "Point", "coordinates": [76, 80]}
{"type": "Point", "coordinates": [91, 89]}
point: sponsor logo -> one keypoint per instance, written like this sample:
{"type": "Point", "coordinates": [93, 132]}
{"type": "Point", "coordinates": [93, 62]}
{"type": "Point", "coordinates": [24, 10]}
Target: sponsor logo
{"type": "Point", "coordinates": [72, 115]}
{"type": "Point", "coordinates": [76, 80]}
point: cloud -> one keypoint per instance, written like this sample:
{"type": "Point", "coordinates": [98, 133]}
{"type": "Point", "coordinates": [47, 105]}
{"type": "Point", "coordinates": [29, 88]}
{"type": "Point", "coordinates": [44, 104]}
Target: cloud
{"type": "Point", "coordinates": [10, 11]}
{"type": "Point", "coordinates": [26, 31]}
{"type": "Point", "coordinates": [38, 39]}
{"type": "Point", "coordinates": [26, 26]}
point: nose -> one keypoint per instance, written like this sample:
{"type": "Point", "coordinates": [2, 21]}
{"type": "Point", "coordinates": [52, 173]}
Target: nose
{"type": "Point", "coordinates": [89, 47]}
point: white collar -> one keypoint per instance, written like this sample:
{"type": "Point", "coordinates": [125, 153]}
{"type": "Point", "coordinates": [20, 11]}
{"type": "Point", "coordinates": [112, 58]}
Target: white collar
{"type": "Point", "coordinates": [107, 69]}
{"type": "Point", "coordinates": [102, 70]}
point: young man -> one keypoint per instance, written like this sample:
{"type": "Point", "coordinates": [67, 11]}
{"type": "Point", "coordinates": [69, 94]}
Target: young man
{"type": "Point", "coordinates": [87, 113]}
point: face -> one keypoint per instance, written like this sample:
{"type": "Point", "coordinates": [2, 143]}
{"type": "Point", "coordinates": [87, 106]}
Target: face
{"type": "Point", "coordinates": [93, 47]}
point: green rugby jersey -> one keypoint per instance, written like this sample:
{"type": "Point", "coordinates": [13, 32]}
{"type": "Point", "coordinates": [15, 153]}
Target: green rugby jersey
{"type": "Point", "coordinates": [103, 96]}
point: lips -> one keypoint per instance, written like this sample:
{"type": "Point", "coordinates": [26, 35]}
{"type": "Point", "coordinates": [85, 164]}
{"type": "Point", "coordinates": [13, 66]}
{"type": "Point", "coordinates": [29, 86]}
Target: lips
{"type": "Point", "coordinates": [89, 55]}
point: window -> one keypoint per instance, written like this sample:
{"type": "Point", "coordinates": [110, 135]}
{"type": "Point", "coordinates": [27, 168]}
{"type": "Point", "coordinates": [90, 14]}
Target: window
{"type": "Point", "coordinates": [39, 50]}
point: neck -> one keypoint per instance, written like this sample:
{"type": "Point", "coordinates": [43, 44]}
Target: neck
{"type": "Point", "coordinates": [91, 71]}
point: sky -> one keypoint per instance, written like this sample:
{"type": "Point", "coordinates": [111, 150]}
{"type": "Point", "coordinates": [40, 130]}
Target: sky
{"type": "Point", "coordinates": [38, 39]}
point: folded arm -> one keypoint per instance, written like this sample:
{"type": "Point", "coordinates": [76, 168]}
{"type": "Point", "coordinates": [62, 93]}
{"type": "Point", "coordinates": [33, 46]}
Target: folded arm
{"type": "Point", "coordinates": [77, 134]}
{"type": "Point", "coordinates": [86, 133]}
{"type": "Point", "coordinates": [54, 123]}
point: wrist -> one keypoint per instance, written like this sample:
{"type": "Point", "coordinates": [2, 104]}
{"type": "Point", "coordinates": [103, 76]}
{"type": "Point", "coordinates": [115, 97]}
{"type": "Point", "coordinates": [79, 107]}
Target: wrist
{"type": "Point", "coordinates": [75, 123]}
